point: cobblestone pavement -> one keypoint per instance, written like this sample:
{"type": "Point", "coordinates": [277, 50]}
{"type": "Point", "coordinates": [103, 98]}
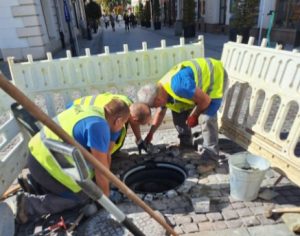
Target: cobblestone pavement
{"type": "Point", "coordinates": [225, 212]}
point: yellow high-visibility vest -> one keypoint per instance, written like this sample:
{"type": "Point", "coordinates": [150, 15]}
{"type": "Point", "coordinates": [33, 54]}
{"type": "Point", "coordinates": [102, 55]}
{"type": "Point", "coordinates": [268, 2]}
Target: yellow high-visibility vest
{"type": "Point", "coordinates": [100, 101]}
{"type": "Point", "coordinates": [208, 75]}
{"type": "Point", "coordinates": [67, 120]}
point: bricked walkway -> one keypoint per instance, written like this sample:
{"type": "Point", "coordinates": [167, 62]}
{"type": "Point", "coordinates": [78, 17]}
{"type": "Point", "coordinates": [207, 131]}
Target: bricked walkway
{"type": "Point", "coordinates": [225, 212]}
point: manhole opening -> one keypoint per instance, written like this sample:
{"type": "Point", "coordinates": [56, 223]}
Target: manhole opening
{"type": "Point", "coordinates": [154, 177]}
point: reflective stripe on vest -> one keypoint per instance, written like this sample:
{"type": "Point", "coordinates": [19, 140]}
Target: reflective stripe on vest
{"type": "Point", "coordinates": [67, 119]}
{"type": "Point", "coordinates": [100, 101]}
{"type": "Point", "coordinates": [208, 75]}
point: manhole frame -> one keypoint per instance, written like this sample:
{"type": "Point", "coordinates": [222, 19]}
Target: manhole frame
{"type": "Point", "coordinates": [152, 163]}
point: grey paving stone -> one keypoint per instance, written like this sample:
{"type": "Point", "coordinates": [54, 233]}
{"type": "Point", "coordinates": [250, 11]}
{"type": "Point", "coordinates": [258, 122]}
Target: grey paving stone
{"type": "Point", "coordinates": [182, 219]}
{"type": "Point", "coordinates": [159, 205]}
{"type": "Point", "coordinates": [230, 214]}
{"type": "Point", "coordinates": [258, 210]}
{"type": "Point", "coordinates": [190, 228]}
{"type": "Point", "coordinates": [237, 205]}
{"type": "Point", "coordinates": [274, 230]}
{"type": "Point", "coordinates": [265, 221]}
{"type": "Point", "coordinates": [178, 229]}
{"type": "Point", "coordinates": [199, 218]}
{"type": "Point", "coordinates": [250, 221]}
{"type": "Point", "coordinates": [232, 224]}
{"type": "Point", "coordinates": [244, 212]}
{"type": "Point", "coordinates": [219, 225]}
{"type": "Point", "coordinates": [214, 216]}
{"type": "Point", "coordinates": [205, 226]}
{"type": "Point", "coordinates": [233, 200]}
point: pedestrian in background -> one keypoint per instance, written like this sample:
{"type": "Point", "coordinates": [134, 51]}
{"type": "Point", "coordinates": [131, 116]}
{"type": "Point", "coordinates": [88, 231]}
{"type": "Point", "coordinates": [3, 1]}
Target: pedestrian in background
{"type": "Point", "coordinates": [126, 21]}
{"type": "Point", "coordinates": [112, 17]}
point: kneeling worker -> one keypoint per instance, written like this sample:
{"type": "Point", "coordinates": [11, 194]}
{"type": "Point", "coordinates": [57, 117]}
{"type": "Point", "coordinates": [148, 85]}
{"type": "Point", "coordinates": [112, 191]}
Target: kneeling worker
{"type": "Point", "coordinates": [94, 129]}
{"type": "Point", "coordinates": [140, 114]}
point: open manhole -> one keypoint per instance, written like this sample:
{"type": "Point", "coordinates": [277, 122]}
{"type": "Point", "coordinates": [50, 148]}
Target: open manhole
{"type": "Point", "coordinates": [154, 177]}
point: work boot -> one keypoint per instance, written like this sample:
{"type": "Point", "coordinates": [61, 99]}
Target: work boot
{"type": "Point", "coordinates": [21, 216]}
{"type": "Point", "coordinates": [209, 155]}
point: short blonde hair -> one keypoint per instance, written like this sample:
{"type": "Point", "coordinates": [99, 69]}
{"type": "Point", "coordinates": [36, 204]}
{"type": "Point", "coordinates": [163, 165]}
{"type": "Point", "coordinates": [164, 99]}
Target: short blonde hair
{"type": "Point", "coordinates": [117, 108]}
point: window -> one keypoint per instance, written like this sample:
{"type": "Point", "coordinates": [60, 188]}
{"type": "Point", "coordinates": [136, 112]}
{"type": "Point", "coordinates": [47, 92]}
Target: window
{"type": "Point", "coordinates": [287, 14]}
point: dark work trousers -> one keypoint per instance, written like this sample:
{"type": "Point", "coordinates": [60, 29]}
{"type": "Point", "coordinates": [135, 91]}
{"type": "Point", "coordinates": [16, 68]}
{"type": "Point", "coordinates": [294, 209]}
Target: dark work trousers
{"type": "Point", "coordinates": [184, 132]}
{"type": "Point", "coordinates": [58, 198]}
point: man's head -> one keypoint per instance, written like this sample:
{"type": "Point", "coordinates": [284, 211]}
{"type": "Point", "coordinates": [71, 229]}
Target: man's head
{"type": "Point", "coordinates": [153, 95]}
{"type": "Point", "coordinates": [116, 113]}
{"type": "Point", "coordinates": [140, 113]}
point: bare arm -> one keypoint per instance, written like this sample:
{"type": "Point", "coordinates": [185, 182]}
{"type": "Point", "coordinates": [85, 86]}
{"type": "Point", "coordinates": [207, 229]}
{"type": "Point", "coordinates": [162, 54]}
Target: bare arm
{"type": "Point", "coordinates": [135, 129]}
{"type": "Point", "coordinates": [101, 180]}
{"type": "Point", "coordinates": [202, 100]}
{"type": "Point", "coordinates": [157, 120]}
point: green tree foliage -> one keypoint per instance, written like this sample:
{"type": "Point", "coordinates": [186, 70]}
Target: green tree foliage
{"type": "Point", "coordinates": [188, 12]}
{"type": "Point", "coordinates": [244, 14]}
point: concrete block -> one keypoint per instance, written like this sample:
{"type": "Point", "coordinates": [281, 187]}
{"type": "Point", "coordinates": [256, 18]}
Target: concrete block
{"type": "Point", "coordinates": [268, 194]}
{"type": "Point", "coordinates": [250, 221]}
{"type": "Point", "coordinates": [230, 214]}
{"type": "Point", "coordinates": [244, 212]}
{"type": "Point", "coordinates": [190, 228]}
{"type": "Point", "coordinates": [29, 31]}
{"type": "Point", "coordinates": [201, 204]}
{"type": "Point", "coordinates": [220, 225]}
{"type": "Point", "coordinates": [19, 11]}
{"type": "Point", "coordinates": [205, 226]}
{"type": "Point", "coordinates": [199, 218]}
{"type": "Point", "coordinates": [31, 21]}
{"type": "Point", "coordinates": [182, 219]}
{"type": "Point", "coordinates": [26, 2]}
{"type": "Point", "coordinates": [233, 224]}
{"type": "Point", "coordinates": [214, 216]}
{"type": "Point", "coordinates": [35, 41]}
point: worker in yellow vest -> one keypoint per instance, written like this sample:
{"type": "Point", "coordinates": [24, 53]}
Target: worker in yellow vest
{"type": "Point", "coordinates": [190, 89]}
{"type": "Point", "coordinates": [140, 114]}
{"type": "Point", "coordinates": [96, 130]}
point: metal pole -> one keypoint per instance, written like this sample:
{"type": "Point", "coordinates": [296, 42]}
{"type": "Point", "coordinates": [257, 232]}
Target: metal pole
{"type": "Point", "coordinates": [262, 6]}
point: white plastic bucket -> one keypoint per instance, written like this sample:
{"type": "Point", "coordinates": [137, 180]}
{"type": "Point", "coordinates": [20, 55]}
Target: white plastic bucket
{"type": "Point", "coordinates": [247, 171]}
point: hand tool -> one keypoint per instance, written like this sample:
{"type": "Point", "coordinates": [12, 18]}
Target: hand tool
{"type": "Point", "coordinates": [41, 116]}
{"type": "Point", "coordinates": [271, 211]}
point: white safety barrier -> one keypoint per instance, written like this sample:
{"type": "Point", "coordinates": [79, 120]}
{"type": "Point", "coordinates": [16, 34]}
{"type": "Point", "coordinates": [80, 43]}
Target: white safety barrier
{"type": "Point", "coordinates": [261, 112]}
{"type": "Point", "coordinates": [52, 84]}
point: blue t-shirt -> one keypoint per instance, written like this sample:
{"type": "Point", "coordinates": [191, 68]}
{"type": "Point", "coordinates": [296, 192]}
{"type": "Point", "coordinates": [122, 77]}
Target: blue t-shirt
{"type": "Point", "coordinates": [94, 133]}
{"type": "Point", "coordinates": [183, 85]}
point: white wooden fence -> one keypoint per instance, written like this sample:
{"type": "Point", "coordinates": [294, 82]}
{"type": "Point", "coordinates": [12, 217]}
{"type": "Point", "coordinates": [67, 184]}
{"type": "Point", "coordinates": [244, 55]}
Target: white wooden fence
{"type": "Point", "coordinates": [261, 109]}
{"type": "Point", "coordinates": [54, 83]}
{"type": "Point", "coordinates": [261, 112]}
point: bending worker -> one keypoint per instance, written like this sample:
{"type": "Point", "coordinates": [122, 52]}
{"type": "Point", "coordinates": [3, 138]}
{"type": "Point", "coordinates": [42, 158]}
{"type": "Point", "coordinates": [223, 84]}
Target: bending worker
{"type": "Point", "coordinates": [140, 114]}
{"type": "Point", "coordinates": [190, 89]}
{"type": "Point", "coordinates": [94, 129]}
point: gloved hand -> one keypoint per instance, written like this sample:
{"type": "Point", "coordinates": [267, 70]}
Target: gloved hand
{"type": "Point", "coordinates": [115, 196]}
{"type": "Point", "coordinates": [192, 121]}
{"type": "Point", "coordinates": [148, 138]}
{"type": "Point", "coordinates": [142, 146]}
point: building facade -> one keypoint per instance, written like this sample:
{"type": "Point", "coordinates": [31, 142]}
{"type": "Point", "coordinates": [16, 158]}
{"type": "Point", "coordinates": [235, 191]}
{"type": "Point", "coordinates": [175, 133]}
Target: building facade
{"type": "Point", "coordinates": [37, 26]}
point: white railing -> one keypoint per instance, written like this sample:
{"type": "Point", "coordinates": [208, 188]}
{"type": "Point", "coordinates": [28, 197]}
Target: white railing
{"type": "Point", "coordinates": [54, 83]}
{"type": "Point", "coordinates": [261, 112]}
